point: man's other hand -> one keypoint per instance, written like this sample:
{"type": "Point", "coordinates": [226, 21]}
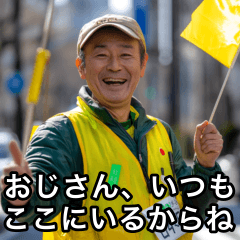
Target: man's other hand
{"type": "Point", "coordinates": [208, 144]}
{"type": "Point", "coordinates": [20, 165]}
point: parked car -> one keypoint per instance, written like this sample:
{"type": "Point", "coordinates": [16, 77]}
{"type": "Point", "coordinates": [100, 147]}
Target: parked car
{"type": "Point", "coordinates": [6, 135]}
{"type": "Point", "coordinates": [230, 166]}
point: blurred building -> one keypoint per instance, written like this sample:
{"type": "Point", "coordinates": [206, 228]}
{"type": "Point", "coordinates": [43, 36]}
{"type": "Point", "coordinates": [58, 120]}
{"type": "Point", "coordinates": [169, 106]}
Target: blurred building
{"type": "Point", "coordinates": [181, 83]}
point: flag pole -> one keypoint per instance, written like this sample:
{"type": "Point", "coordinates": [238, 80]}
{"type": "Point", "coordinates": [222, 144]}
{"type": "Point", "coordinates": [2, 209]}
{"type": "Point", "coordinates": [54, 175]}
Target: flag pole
{"type": "Point", "coordinates": [31, 105]}
{"type": "Point", "coordinates": [221, 91]}
{"type": "Point", "coordinates": [224, 84]}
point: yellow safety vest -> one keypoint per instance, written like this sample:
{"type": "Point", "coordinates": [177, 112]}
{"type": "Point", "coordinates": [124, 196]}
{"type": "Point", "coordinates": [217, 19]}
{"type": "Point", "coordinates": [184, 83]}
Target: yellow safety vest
{"type": "Point", "coordinates": [100, 148]}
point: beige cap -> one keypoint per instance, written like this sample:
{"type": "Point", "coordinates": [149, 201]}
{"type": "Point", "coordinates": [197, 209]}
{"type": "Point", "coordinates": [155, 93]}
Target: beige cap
{"type": "Point", "coordinates": [126, 24]}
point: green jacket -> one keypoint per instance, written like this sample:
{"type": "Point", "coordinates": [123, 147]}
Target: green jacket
{"type": "Point", "coordinates": [54, 148]}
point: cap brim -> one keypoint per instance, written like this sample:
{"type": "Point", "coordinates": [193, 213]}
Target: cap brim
{"type": "Point", "coordinates": [123, 28]}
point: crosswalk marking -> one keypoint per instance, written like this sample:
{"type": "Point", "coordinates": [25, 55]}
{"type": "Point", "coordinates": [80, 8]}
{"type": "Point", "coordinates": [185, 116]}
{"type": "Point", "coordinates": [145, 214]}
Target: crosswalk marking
{"type": "Point", "coordinates": [204, 234]}
{"type": "Point", "coordinates": [237, 230]}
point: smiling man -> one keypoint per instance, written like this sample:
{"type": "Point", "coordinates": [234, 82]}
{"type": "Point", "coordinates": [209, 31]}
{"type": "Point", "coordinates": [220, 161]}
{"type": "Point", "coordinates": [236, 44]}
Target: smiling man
{"type": "Point", "coordinates": [113, 69]}
{"type": "Point", "coordinates": [110, 132]}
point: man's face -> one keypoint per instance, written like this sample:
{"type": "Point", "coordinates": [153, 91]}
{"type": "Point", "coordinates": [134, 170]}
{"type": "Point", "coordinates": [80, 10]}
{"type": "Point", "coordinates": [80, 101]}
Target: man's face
{"type": "Point", "coordinates": [113, 67]}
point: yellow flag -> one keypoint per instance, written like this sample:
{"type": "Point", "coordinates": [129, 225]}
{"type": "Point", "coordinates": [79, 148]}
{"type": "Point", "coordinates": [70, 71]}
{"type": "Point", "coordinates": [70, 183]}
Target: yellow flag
{"type": "Point", "coordinates": [215, 28]}
{"type": "Point", "coordinates": [42, 57]}
{"type": "Point", "coordinates": [34, 128]}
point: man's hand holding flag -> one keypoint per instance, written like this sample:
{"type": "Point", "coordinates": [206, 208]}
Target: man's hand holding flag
{"type": "Point", "coordinates": [215, 28]}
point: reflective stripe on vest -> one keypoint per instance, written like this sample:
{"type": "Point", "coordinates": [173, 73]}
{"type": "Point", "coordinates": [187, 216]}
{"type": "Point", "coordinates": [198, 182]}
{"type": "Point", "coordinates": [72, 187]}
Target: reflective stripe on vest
{"type": "Point", "coordinates": [100, 148]}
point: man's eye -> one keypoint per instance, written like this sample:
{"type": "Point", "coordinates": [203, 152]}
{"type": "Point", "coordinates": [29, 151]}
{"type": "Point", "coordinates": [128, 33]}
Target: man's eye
{"type": "Point", "coordinates": [126, 55]}
{"type": "Point", "coordinates": [101, 55]}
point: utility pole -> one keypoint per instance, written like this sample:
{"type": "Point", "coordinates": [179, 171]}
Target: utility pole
{"type": "Point", "coordinates": [175, 85]}
{"type": "Point", "coordinates": [18, 67]}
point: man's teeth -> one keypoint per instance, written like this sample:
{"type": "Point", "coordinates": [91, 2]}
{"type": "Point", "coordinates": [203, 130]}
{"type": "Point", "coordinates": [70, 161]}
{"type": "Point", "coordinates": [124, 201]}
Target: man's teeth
{"type": "Point", "coordinates": [114, 81]}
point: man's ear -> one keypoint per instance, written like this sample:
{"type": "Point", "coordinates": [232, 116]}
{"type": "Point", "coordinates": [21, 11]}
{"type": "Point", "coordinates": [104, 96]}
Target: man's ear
{"type": "Point", "coordinates": [144, 64]}
{"type": "Point", "coordinates": [81, 68]}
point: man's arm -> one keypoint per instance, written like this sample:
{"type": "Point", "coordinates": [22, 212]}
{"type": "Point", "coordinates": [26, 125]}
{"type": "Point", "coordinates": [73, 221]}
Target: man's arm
{"type": "Point", "coordinates": [53, 148]}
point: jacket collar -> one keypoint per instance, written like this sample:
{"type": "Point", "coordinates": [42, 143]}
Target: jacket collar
{"type": "Point", "coordinates": [102, 113]}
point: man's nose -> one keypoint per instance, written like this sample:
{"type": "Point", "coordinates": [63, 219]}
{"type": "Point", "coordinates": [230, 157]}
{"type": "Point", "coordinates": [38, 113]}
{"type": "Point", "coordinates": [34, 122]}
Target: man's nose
{"type": "Point", "coordinates": [114, 64]}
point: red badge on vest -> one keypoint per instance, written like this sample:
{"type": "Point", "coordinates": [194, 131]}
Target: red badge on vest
{"type": "Point", "coordinates": [162, 151]}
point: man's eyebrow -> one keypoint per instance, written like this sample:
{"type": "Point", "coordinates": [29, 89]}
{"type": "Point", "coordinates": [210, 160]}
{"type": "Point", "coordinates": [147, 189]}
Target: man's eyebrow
{"type": "Point", "coordinates": [100, 46]}
{"type": "Point", "coordinates": [127, 45]}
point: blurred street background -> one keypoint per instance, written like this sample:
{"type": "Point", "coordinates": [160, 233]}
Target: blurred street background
{"type": "Point", "coordinates": [180, 86]}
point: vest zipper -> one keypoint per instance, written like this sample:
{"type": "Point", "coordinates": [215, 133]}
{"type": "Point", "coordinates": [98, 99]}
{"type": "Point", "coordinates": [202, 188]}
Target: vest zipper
{"type": "Point", "coordinates": [140, 142]}
{"type": "Point", "coordinates": [140, 159]}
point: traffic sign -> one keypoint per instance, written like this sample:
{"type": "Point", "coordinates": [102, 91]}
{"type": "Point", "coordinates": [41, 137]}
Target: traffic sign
{"type": "Point", "coordinates": [15, 84]}
{"type": "Point", "coordinates": [141, 16]}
